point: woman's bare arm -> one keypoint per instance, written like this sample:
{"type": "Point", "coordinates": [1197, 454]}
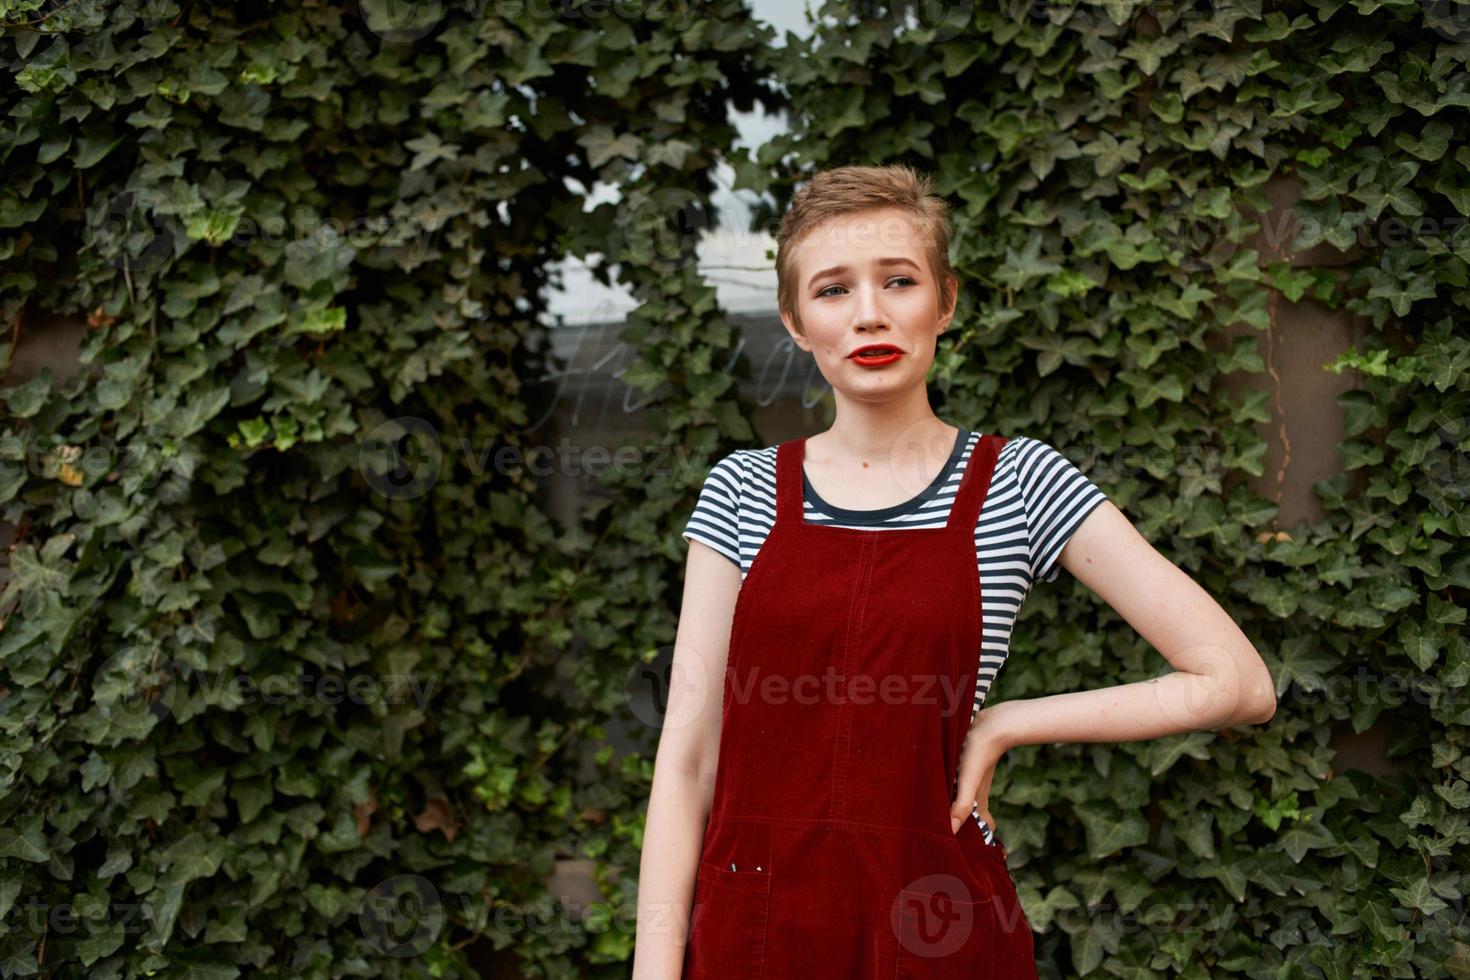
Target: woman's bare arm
{"type": "Point", "coordinates": [684, 766]}
{"type": "Point", "coordinates": [1219, 679]}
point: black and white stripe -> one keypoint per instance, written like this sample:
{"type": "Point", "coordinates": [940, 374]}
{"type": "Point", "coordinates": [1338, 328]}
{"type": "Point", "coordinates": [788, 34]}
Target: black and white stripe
{"type": "Point", "coordinates": [1037, 499]}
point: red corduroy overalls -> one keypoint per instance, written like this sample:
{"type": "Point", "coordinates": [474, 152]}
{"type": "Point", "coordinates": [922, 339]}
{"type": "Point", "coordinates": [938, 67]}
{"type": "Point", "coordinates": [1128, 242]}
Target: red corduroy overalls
{"type": "Point", "coordinates": [847, 697]}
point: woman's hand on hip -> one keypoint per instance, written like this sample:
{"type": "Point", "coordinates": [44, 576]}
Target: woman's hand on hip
{"type": "Point", "coordinates": [984, 745]}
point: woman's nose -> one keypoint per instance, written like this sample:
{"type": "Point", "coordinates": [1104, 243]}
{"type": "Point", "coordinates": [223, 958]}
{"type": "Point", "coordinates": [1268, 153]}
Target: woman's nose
{"type": "Point", "coordinates": [869, 307]}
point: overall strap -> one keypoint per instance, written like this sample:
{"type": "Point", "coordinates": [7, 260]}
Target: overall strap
{"type": "Point", "coordinates": [789, 505]}
{"type": "Point", "coordinates": [974, 485]}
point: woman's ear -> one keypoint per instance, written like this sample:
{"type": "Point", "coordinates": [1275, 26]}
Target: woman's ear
{"type": "Point", "coordinates": [946, 316]}
{"type": "Point", "coordinates": [797, 336]}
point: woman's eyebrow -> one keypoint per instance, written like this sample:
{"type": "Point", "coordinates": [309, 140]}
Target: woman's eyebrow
{"type": "Point", "coordinates": [895, 260]}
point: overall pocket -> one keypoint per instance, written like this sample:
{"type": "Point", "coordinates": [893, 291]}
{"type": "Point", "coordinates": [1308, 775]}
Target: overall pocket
{"type": "Point", "coordinates": [944, 932]}
{"type": "Point", "coordinates": [1014, 941]}
{"type": "Point", "coordinates": [727, 924]}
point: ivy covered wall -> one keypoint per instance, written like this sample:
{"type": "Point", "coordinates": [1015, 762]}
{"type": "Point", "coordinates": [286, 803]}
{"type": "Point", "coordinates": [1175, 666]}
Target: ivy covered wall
{"type": "Point", "coordinates": [292, 684]}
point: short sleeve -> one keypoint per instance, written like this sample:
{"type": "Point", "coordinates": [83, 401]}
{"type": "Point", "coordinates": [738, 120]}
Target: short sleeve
{"type": "Point", "coordinates": [1057, 497]}
{"type": "Point", "coordinates": [716, 517]}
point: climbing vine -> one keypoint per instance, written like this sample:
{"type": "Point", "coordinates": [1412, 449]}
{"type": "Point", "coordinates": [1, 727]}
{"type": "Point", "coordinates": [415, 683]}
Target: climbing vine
{"type": "Point", "coordinates": [280, 659]}
{"type": "Point", "coordinates": [291, 685]}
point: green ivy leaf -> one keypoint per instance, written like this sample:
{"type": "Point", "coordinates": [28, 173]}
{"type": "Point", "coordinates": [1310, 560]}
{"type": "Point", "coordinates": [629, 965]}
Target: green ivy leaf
{"type": "Point", "coordinates": [602, 146]}
{"type": "Point", "coordinates": [25, 400]}
{"type": "Point", "coordinates": [25, 839]}
{"type": "Point", "coordinates": [104, 942]}
{"type": "Point", "coordinates": [1304, 835]}
{"type": "Point", "coordinates": [1430, 144]}
{"type": "Point", "coordinates": [1110, 830]}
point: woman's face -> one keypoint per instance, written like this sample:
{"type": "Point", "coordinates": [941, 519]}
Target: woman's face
{"type": "Point", "coordinates": [863, 279]}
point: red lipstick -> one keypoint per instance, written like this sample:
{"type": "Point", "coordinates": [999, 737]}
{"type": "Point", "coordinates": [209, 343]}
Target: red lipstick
{"type": "Point", "coordinates": [875, 355]}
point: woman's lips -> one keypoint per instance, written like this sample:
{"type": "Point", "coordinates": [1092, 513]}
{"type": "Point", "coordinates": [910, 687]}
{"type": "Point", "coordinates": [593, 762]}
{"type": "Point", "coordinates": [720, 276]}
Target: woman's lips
{"type": "Point", "coordinates": [876, 358]}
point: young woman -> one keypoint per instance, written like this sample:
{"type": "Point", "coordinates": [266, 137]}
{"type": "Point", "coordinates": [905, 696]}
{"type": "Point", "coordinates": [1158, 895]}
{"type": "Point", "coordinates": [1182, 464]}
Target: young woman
{"type": "Point", "coordinates": [820, 804]}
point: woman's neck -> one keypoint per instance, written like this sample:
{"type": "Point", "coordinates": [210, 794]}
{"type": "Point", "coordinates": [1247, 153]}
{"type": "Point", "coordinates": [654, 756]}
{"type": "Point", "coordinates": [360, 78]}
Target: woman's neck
{"type": "Point", "coordinates": [873, 470]}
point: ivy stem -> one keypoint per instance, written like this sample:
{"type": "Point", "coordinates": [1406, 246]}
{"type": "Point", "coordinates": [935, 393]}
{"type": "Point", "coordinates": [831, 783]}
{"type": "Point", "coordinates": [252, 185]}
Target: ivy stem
{"type": "Point", "coordinates": [14, 340]}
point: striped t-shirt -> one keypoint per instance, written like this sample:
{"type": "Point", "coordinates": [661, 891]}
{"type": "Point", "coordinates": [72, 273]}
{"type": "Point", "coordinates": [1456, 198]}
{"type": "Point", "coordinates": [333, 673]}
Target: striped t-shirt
{"type": "Point", "coordinates": [1037, 499]}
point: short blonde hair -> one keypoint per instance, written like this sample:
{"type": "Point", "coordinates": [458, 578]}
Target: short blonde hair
{"type": "Point", "coordinates": [845, 190]}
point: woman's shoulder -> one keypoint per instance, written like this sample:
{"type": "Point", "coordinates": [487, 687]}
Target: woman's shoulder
{"type": "Point", "coordinates": [752, 456]}
{"type": "Point", "coordinates": [737, 471]}
{"type": "Point", "coordinates": [740, 460]}
{"type": "Point", "coordinates": [1055, 495]}
{"type": "Point", "coordinates": [1029, 453]}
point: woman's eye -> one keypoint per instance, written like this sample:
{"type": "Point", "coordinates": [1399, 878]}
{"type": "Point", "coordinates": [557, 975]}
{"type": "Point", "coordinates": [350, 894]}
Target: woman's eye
{"type": "Point", "coordinates": [823, 292]}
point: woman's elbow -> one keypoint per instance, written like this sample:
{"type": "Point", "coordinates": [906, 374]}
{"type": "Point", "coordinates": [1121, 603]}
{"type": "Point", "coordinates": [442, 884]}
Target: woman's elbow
{"type": "Point", "coordinates": [1257, 700]}
{"type": "Point", "coordinates": [1263, 712]}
